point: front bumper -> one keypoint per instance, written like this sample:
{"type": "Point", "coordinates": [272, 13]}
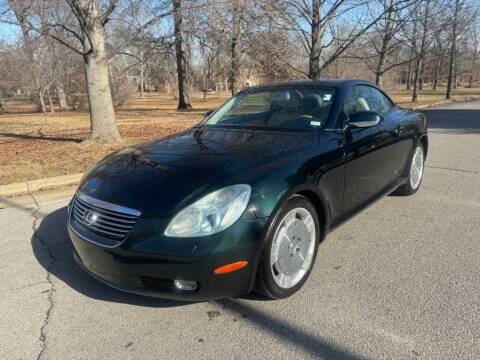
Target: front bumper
{"type": "Point", "coordinates": [147, 262]}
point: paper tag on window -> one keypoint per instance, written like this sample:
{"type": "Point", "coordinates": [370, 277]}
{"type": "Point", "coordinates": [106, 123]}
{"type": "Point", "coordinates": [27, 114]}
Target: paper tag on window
{"type": "Point", "coordinates": [327, 97]}
{"type": "Point", "coordinates": [315, 123]}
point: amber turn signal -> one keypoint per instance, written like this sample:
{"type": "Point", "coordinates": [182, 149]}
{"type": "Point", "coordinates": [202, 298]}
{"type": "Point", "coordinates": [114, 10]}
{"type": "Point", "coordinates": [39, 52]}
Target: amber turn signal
{"type": "Point", "coordinates": [230, 267]}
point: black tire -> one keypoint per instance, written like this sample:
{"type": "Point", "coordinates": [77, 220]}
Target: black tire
{"type": "Point", "coordinates": [265, 283]}
{"type": "Point", "coordinates": [407, 189]}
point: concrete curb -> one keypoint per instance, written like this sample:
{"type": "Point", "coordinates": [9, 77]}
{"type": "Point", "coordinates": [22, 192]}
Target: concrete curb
{"type": "Point", "coordinates": [432, 104]}
{"type": "Point", "coordinates": [35, 185]}
{"type": "Point", "coordinates": [426, 106]}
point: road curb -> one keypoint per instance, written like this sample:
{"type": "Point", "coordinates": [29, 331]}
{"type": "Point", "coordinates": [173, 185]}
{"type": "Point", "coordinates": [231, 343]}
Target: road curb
{"type": "Point", "coordinates": [40, 184]}
{"type": "Point", "coordinates": [426, 106]}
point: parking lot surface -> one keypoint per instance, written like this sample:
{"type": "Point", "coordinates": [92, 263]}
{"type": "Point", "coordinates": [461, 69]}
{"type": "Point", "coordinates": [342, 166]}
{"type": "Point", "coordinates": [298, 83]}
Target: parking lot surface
{"type": "Point", "coordinates": [399, 281]}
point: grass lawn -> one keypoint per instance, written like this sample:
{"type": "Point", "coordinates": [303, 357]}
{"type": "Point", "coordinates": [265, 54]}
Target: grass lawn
{"type": "Point", "coordinates": [31, 149]}
{"type": "Point", "coordinates": [427, 96]}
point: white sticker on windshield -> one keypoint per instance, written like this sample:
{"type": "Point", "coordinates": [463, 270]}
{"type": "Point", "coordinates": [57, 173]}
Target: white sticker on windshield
{"type": "Point", "coordinates": [327, 97]}
{"type": "Point", "coordinates": [315, 123]}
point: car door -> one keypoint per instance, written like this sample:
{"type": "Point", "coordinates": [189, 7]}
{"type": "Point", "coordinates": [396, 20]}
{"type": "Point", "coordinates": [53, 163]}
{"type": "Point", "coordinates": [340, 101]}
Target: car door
{"type": "Point", "coordinates": [400, 122]}
{"type": "Point", "coordinates": [369, 165]}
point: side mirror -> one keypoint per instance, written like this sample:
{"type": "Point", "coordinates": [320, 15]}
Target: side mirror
{"type": "Point", "coordinates": [208, 113]}
{"type": "Point", "coordinates": [364, 119]}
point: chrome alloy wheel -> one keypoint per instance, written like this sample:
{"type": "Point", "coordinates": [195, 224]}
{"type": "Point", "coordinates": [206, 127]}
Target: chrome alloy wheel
{"type": "Point", "coordinates": [292, 248]}
{"type": "Point", "coordinates": [416, 170]}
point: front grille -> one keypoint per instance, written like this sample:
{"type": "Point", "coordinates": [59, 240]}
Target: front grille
{"type": "Point", "coordinates": [108, 220]}
{"type": "Point", "coordinates": [157, 283]}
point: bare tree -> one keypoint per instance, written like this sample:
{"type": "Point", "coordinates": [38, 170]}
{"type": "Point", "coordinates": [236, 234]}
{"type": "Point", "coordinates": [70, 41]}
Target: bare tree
{"type": "Point", "coordinates": [183, 102]}
{"type": "Point", "coordinates": [383, 48]}
{"type": "Point", "coordinates": [438, 53]}
{"type": "Point", "coordinates": [81, 27]}
{"type": "Point", "coordinates": [413, 45]}
{"type": "Point", "coordinates": [320, 27]}
{"type": "Point", "coordinates": [91, 20]}
{"type": "Point", "coordinates": [234, 44]}
{"type": "Point", "coordinates": [386, 38]}
{"type": "Point", "coordinates": [474, 37]}
{"type": "Point", "coordinates": [453, 49]}
{"type": "Point", "coordinates": [420, 58]}
{"type": "Point", "coordinates": [21, 10]}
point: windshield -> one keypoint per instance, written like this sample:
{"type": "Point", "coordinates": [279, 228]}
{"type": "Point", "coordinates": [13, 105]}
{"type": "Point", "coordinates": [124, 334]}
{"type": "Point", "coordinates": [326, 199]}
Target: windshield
{"type": "Point", "coordinates": [286, 108]}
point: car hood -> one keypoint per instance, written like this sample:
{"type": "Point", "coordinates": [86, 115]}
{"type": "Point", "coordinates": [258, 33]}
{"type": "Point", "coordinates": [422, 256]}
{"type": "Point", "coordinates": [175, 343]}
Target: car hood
{"type": "Point", "coordinates": [162, 177]}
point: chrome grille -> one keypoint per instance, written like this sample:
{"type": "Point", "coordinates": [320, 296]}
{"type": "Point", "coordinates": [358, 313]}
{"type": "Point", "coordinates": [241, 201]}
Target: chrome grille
{"type": "Point", "coordinates": [112, 221]}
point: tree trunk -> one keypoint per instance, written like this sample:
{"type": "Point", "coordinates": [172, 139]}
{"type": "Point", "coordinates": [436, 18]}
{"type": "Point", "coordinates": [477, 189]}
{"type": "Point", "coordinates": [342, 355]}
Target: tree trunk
{"type": "Point", "coordinates": [438, 68]}
{"type": "Point", "coordinates": [474, 63]}
{"type": "Point", "coordinates": [204, 87]}
{"type": "Point", "coordinates": [42, 107]}
{"type": "Point", "coordinates": [422, 72]}
{"type": "Point", "coordinates": [142, 75]}
{"type": "Point", "coordinates": [316, 46]}
{"type": "Point", "coordinates": [453, 49]}
{"type": "Point", "coordinates": [385, 44]}
{"type": "Point", "coordinates": [472, 71]}
{"type": "Point", "coordinates": [421, 57]}
{"type": "Point", "coordinates": [102, 115]}
{"type": "Point", "coordinates": [413, 46]}
{"type": "Point", "coordinates": [470, 80]}
{"type": "Point", "coordinates": [234, 62]}
{"type": "Point", "coordinates": [455, 75]}
{"type": "Point", "coordinates": [40, 103]}
{"type": "Point", "coordinates": [183, 102]}
{"type": "Point", "coordinates": [409, 74]}
{"type": "Point", "coordinates": [415, 81]}
{"type": "Point", "coordinates": [3, 106]}
{"type": "Point", "coordinates": [62, 98]}
{"type": "Point", "coordinates": [50, 102]}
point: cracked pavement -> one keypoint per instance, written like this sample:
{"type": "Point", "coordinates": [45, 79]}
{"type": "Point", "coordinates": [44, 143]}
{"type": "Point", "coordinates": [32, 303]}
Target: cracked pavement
{"type": "Point", "coordinates": [399, 281]}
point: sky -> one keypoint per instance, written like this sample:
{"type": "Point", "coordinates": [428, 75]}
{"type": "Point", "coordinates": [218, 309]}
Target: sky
{"type": "Point", "coordinates": [8, 33]}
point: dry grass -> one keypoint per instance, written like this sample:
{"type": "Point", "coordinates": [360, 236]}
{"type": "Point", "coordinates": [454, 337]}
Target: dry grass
{"type": "Point", "coordinates": [428, 96]}
{"type": "Point", "coordinates": [31, 149]}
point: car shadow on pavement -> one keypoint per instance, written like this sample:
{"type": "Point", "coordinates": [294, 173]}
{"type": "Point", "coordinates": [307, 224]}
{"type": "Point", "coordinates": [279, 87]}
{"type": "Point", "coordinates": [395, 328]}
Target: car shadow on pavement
{"type": "Point", "coordinates": [453, 121]}
{"type": "Point", "coordinates": [53, 250]}
{"type": "Point", "coordinates": [288, 333]}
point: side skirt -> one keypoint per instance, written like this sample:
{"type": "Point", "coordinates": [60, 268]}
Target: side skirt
{"type": "Point", "coordinates": [352, 213]}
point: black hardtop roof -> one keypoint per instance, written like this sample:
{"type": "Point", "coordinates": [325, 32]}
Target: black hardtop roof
{"type": "Point", "coordinates": [329, 83]}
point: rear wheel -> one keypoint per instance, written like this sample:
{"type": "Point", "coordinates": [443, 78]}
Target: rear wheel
{"type": "Point", "coordinates": [415, 174]}
{"type": "Point", "coordinates": [290, 250]}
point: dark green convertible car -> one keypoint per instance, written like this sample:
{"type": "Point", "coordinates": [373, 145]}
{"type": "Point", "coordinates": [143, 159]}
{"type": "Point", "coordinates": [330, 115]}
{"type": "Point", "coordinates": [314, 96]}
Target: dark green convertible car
{"type": "Point", "coordinates": [242, 201]}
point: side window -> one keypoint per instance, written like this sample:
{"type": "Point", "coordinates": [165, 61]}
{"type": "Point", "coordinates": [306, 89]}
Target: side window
{"type": "Point", "coordinates": [357, 100]}
{"type": "Point", "coordinates": [366, 98]}
{"type": "Point", "coordinates": [378, 102]}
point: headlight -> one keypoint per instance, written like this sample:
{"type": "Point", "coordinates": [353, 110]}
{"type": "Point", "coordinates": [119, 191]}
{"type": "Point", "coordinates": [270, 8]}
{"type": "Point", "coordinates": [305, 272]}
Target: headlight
{"type": "Point", "coordinates": [212, 213]}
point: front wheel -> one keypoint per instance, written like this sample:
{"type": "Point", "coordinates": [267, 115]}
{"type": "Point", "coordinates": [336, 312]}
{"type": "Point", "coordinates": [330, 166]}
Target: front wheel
{"type": "Point", "coordinates": [415, 174]}
{"type": "Point", "coordinates": [290, 250]}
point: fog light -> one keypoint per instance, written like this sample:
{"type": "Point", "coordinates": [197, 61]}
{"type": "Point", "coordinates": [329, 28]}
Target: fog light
{"type": "Point", "coordinates": [185, 284]}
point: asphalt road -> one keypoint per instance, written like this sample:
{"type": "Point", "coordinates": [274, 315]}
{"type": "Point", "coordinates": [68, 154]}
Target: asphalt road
{"type": "Point", "coordinates": [399, 281]}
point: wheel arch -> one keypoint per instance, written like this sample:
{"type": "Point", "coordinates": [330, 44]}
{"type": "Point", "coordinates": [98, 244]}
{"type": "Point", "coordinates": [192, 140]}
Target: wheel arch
{"type": "Point", "coordinates": [424, 141]}
{"type": "Point", "coordinates": [311, 193]}
{"type": "Point", "coordinates": [320, 208]}
{"type": "Point", "coordinates": [315, 196]}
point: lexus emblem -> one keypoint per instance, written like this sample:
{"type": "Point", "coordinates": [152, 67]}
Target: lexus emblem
{"type": "Point", "coordinates": [89, 217]}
